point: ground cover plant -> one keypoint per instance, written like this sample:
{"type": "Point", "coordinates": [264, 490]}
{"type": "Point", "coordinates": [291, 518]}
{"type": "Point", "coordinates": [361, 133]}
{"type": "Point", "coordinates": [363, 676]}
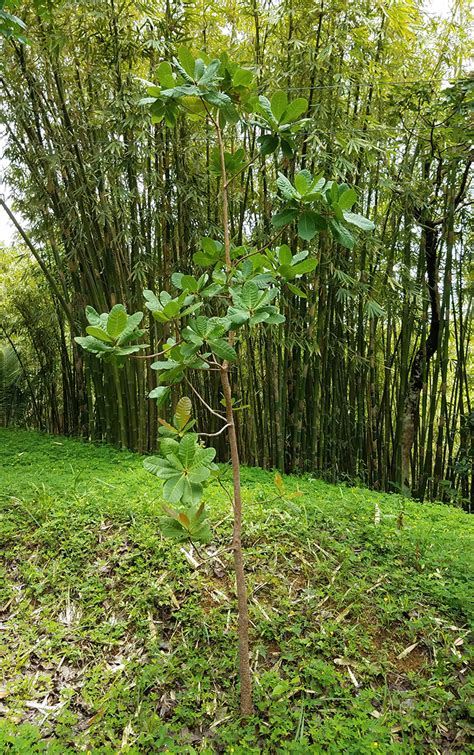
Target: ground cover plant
{"type": "Point", "coordinates": [116, 639]}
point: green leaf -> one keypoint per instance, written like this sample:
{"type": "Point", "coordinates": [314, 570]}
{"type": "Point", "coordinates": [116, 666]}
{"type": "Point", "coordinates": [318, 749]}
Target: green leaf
{"type": "Point", "coordinates": [242, 78]}
{"type": "Point", "coordinates": [275, 319]}
{"type": "Point", "coordinates": [266, 108]}
{"type": "Point", "coordinates": [373, 309]}
{"type": "Point", "coordinates": [164, 74]}
{"type": "Point", "coordinates": [258, 318]}
{"type": "Point", "coordinates": [133, 321]}
{"type": "Point", "coordinates": [268, 143]}
{"type": "Point", "coordinates": [125, 351]}
{"type": "Point", "coordinates": [223, 349]}
{"type": "Point", "coordinates": [286, 188]}
{"type": "Point", "coordinates": [152, 301]}
{"type": "Point", "coordinates": [297, 291]}
{"type": "Point", "coordinates": [171, 528]}
{"type": "Point", "coordinates": [284, 217]}
{"type": "Point", "coordinates": [204, 456]}
{"type": "Point", "coordinates": [287, 148]}
{"type": "Point", "coordinates": [237, 316]}
{"type": "Point", "coordinates": [94, 345]}
{"type": "Point", "coordinates": [303, 181]}
{"type": "Point", "coordinates": [294, 110]}
{"type": "Point", "coordinates": [341, 234]}
{"type": "Point", "coordinates": [173, 488]}
{"type": "Point", "coordinates": [364, 223]}
{"type": "Point", "coordinates": [186, 60]}
{"type": "Point", "coordinates": [217, 99]}
{"type": "Point", "coordinates": [116, 321]}
{"type": "Point", "coordinates": [347, 199]}
{"type": "Point", "coordinates": [307, 225]}
{"type": "Point", "coordinates": [210, 74]}
{"type": "Point", "coordinates": [306, 266]}
{"type": "Point", "coordinates": [279, 103]}
{"type": "Point", "coordinates": [284, 255]}
{"type": "Point", "coordinates": [93, 317]}
{"type": "Point", "coordinates": [250, 294]}
{"type": "Point", "coordinates": [92, 330]}
{"type": "Point", "coordinates": [160, 393]}
{"type": "Point", "coordinates": [187, 450]}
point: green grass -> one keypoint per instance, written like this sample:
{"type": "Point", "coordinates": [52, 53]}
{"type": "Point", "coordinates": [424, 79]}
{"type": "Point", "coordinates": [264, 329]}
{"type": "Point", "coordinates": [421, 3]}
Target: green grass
{"type": "Point", "coordinates": [112, 642]}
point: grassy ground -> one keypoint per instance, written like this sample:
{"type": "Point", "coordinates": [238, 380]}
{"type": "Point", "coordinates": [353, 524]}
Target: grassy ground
{"type": "Point", "coordinates": [112, 642]}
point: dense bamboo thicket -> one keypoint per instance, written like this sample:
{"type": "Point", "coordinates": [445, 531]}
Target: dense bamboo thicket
{"type": "Point", "coordinates": [368, 379]}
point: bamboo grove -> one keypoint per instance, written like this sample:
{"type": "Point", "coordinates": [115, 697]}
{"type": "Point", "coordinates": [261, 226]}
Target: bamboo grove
{"type": "Point", "coordinates": [368, 379]}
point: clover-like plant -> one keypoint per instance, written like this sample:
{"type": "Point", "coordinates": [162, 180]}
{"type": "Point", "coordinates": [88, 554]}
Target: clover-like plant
{"type": "Point", "coordinates": [232, 291]}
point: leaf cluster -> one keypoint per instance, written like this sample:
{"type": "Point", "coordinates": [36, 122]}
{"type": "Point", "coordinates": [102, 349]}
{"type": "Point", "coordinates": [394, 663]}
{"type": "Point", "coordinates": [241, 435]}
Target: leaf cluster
{"type": "Point", "coordinates": [319, 205]}
{"type": "Point", "coordinates": [109, 334]}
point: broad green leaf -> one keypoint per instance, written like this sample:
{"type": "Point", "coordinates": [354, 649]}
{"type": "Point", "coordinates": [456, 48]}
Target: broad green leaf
{"type": "Point", "coordinates": [204, 456]}
{"type": "Point", "coordinates": [279, 103]}
{"type": "Point", "coordinates": [306, 266]}
{"type": "Point", "coordinates": [287, 148]}
{"type": "Point", "coordinates": [284, 255]}
{"type": "Point", "coordinates": [210, 74]}
{"type": "Point", "coordinates": [237, 316]}
{"type": "Point", "coordinates": [164, 74]}
{"type": "Point", "coordinates": [94, 345]}
{"type": "Point", "coordinates": [133, 321]}
{"type": "Point", "coordinates": [223, 349]}
{"type": "Point", "coordinates": [341, 234]}
{"type": "Point", "coordinates": [171, 528]}
{"type": "Point", "coordinates": [286, 188]}
{"type": "Point", "coordinates": [268, 143]}
{"type": "Point", "coordinates": [303, 181]}
{"type": "Point", "coordinates": [186, 60]}
{"type": "Point", "coordinates": [169, 445]}
{"type": "Point", "coordinates": [151, 301]}
{"type": "Point", "coordinates": [359, 221]}
{"type": "Point", "coordinates": [294, 110]}
{"type": "Point", "coordinates": [125, 351]}
{"type": "Point", "coordinates": [117, 321]}
{"type": "Point", "coordinates": [250, 294]}
{"type": "Point", "coordinates": [217, 99]}
{"type": "Point", "coordinates": [242, 77]}
{"type": "Point", "coordinates": [155, 465]}
{"type": "Point", "coordinates": [265, 106]}
{"type": "Point", "coordinates": [307, 225]}
{"type": "Point", "coordinates": [173, 488]}
{"type": "Point", "coordinates": [284, 217]}
{"type": "Point", "coordinates": [187, 449]}
{"type": "Point", "coordinates": [92, 330]}
{"type": "Point", "coordinates": [347, 199]}
{"type": "Point", "coordinates": [93, 317]}
{"type": "Point", "coordinates": [160, 393]}
{"type": "Point", "coordinates": [275, 319]}
{"type": "Point", "coordinates": [258, 317]}
{"type": "Point", "coordinates": [299, 256]}
{"type": "Point", "coordinates": [297, 291]}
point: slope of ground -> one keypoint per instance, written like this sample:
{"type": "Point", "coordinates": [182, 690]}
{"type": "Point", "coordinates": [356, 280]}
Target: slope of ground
{"type": "Point", "coordinates": [112, 641]}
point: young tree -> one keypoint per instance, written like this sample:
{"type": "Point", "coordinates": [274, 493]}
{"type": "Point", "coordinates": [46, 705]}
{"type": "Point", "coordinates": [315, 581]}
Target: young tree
{"type": "Point", "coordinates": [239, 291]}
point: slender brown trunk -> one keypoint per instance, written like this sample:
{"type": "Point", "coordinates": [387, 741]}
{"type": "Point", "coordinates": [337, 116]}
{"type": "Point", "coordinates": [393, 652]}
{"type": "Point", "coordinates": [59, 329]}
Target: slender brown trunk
{"type": "Point", "coordinates": [246, 704]}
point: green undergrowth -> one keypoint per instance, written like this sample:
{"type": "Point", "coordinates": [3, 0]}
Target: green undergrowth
{"type": "Point", "coordinates": [112, 641]}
